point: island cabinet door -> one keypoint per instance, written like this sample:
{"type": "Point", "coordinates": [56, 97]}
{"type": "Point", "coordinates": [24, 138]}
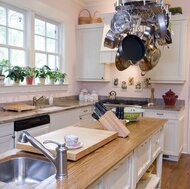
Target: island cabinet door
{"type": "Point", "coordinates": [120, 176]}
{"type": "Point", "coordinates": [142, 159]}
{"type": "Point", "coordinates": [157, 144]}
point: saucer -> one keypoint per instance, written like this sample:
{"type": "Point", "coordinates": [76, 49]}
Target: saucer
{"type": "Point", "coordinates": [76, 146]}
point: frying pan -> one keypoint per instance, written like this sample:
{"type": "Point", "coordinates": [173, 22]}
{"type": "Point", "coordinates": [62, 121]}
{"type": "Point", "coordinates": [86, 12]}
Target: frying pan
{"type": "Point", "coordinates": [132, 48]}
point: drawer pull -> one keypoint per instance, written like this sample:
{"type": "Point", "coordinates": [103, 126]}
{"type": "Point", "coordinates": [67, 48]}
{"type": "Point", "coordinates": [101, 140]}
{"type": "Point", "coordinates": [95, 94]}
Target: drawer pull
{"type": "Point", "coordinates": [160, 114]}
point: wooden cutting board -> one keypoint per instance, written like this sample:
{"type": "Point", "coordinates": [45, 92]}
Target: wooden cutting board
{"type": "Point", "coordinates": [18, 107]}
{"type": "Point", "coordinates": [91, 139]}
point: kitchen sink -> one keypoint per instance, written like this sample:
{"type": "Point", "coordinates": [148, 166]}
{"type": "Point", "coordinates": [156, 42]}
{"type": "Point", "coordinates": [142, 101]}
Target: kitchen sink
{"type": "Point", "coordinates": [51, 108]}
{"type": "Point", "coordinates": [25, 171]}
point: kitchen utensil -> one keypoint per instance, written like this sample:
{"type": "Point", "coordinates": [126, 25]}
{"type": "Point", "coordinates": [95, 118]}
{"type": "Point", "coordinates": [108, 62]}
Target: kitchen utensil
{"type": "Point", "coordinates": [111, 40]}
{"type": "Point", "coordinates": [150, 59]}
{"type": "Point", "coordinates": [132, 48]}
{"type": "Point", "coordinates": [162, 30]}
{"type": "Point", "coordinates": [95, 116]}
{"type": "Point", "coordinates": [112, 95]}
{"type": "Point", "coordinates": [170, 98]}
{"type": "Point", "coordinates": [121, 22]}
{"type": "Point", "coordinates": [121, 63]}
{"type": "Point", "coordinates": [18, 107]}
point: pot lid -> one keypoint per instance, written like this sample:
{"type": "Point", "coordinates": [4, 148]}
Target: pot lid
{"type": "Point", "coordinates": [170, 93]}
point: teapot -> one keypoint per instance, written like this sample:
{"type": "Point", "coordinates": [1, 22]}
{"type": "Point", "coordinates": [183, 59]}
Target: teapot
{"type": "Point", "coordinates": [170, 98]}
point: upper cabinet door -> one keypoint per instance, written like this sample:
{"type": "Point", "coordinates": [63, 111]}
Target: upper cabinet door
{"type": "Point", "coordinates": [88, 65]}
{"type": "Point", "coordinates": [171, 67]}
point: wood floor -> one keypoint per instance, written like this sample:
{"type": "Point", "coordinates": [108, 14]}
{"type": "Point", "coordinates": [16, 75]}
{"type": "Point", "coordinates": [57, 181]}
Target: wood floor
{"type": "Point", "coordinates": [176, 175]}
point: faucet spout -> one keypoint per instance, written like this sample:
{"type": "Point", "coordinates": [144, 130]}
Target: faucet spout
{"type": "Point", "coordinates": [59, 161]}
{"type": "Point", "coordinates": [36, 100]}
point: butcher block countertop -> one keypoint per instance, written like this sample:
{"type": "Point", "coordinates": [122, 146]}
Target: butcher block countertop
{"type": "Point", "coordinates": [90, 168]}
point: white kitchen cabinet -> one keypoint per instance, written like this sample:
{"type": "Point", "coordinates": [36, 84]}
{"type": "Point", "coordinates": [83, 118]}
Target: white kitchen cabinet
{"type": "Point", "coordinates": [74, 117]}
{"type": "Point", "coordinates": [171, 67]}
{"type": "Point", "coordinates": [85, 115]}
{"type": "Point", "coordinates": [120, 175]}
{"type": "Point", "coordinates": [63, 119]}
{"type": "Point", "coordinates": [6, 136]}
{"type": "Point", "coordinates": [88, 67]}
{"type": "Point", "coordinates": [127, 173]}
{"type": "Point", "coordinates": [173, 131]}
{"type": "Point", "coordinates": [142, 158]}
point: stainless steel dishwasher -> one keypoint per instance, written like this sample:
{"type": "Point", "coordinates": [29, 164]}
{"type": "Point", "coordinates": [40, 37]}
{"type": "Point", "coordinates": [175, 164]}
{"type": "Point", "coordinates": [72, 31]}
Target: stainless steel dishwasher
{"type": "Point", "coordinates": [36, 126]}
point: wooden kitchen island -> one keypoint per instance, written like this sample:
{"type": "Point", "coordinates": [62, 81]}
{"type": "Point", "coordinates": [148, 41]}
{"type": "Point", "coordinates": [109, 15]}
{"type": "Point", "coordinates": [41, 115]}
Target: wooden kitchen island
{"type": "Point", "coordinates": [118, 164]}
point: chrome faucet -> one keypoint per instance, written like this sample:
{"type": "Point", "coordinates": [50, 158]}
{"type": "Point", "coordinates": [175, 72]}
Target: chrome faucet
{"type": "Point", "coordinates": [60, 160]}
{"type": "Point", "coordinates": [35, 100]}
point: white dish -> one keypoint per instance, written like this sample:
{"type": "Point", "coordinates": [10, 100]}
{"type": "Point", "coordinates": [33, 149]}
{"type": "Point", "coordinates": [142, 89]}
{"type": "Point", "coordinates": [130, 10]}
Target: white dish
{"type": "Point", "coordinates": [76, 146]}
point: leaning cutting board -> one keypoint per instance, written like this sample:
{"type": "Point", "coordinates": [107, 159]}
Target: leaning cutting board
{"type": "Point", "coordinates": [91, 139]}
{"type": "Point", "coordinates": [18, 107]}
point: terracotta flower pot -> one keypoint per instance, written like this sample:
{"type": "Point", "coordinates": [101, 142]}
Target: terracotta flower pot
{"type": "Point", "coordinates": [29, 80]}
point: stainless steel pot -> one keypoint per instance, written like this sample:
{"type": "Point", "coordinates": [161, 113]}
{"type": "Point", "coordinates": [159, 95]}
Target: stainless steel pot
{"type": "Point", "coordinates": [150, 59]}
{"type": "Point", "coordinates": [111, 40]}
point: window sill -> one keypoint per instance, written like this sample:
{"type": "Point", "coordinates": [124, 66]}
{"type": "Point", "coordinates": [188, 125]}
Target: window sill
{"type": "Point", "coordinates": [4, 89]}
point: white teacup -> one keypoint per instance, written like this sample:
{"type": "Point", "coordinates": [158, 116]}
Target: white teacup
{"type": "Point", "coordinates": [71, 140]}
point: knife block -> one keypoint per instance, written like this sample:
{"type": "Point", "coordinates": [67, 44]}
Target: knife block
{"type": "Point", "coordinates": [112, 123]}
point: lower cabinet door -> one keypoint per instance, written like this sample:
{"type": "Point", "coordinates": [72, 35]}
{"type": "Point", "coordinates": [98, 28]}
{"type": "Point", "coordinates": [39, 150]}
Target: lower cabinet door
{"type": "Point", "coordinates": [120, 176]}
{"type": "Point", "coordinates": [7, 143]}
{"type": "Point", "coordinates": [142, 158]}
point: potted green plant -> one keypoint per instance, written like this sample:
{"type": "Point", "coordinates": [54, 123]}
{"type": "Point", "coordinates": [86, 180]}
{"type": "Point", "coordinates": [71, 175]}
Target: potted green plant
{"type": "Point", "coordinates": [53, 75]}
{"type": "Point", "coordinates": [3, 65]}
{"type": "Point", "coordinates": [61, 77]}
{"type": "Point", "coordinates": [16, 74]}
{"type": "Point", "coordinates": [29, 74]}
{"type": "Point", "coordinates": [42, 73]}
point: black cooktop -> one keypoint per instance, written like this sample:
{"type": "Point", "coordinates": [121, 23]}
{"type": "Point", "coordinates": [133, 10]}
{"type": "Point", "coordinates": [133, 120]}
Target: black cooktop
{"type": "Point", "coordinates": [126, 102]}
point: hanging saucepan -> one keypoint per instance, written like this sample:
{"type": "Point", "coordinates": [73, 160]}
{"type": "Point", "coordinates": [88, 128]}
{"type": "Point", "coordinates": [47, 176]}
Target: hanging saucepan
{"type": "Point", "coordinates": [132, 48]}
{"type": "Point", "coordinates": [111, 40]}
{"type": "Point", "coordinates": [161, 26]}
{"type": "Point", "coordinates": [121, 22]}
{"type": "Point", "coordinates": [150, 59]}
{"type": "Point", "coordinates": [148, 34]}
{"type": "Point", "coordinates": [121, 63]}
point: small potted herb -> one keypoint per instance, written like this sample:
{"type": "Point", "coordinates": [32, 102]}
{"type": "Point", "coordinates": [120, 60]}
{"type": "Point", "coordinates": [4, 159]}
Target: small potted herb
{"type": "Point", "coordinates": [61, 77]}
{"type": "Point", "coordinates": [53, 75]}
{"type": "Point", "coordinates": [42, 73]}
{"type": "Point", "coordinates": [16, 74]}
{"type": "Point", "coordinates": [3, 65]}
{"type": "Point", "coordinates": [29, 74]}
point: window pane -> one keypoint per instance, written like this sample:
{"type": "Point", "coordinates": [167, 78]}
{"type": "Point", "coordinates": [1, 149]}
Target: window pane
{"type": "Point", "coordinates": [16, 20]}
{"type": "Point", "coordinates": [15, 38]}
{"type": "Point", "coordinates": [3, 53]}
{"type": "Point", "coordinates": [2, 35]}
{"type": "Point", "coordinates": [39, 43]}
{"type": "Point", "coordinates": [51, 31]}
{"type": "Point", "coordinates": [39, 27]}
{"type": "Point", "coordinates": [51, 45]}
{"type": "Point", "coordinates": [17, 57]}
{"type": "Point", "coordinates": [53, 61]}
{"type": "Point", "coordinates": [2, 16]}
{"type": "Point", "coordinates": [41, 60]}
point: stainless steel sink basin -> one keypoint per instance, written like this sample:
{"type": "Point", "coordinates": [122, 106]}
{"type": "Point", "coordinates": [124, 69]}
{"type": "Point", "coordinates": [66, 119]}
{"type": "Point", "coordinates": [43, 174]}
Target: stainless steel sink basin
{"type": "Point", "coordinates": [25, 171]}
{"type": "Point", "coordinates": [52, 108]}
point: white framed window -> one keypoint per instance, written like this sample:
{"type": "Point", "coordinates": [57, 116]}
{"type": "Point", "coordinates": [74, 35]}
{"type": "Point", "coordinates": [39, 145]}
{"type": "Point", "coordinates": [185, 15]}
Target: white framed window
{"type": "Point", "coordinates": [46, 36]}
{"type": "Point", "coordinates": [31, 37]}
{"type": "Point", "coordinates": [13, 35]}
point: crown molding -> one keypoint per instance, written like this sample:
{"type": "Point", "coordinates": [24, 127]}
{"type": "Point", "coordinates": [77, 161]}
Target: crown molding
{"type": "Point", "coordinates": [91, 3]}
